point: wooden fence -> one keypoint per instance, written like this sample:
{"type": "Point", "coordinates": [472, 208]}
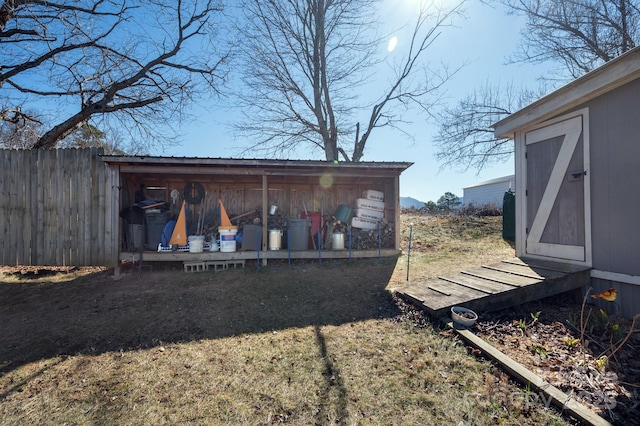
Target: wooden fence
{"type": "Point", "coordinates": [58, 207]}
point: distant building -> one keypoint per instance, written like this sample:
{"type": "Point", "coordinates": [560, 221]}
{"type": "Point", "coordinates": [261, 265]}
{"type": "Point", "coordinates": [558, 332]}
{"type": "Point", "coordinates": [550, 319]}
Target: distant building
{"type": "Point", "coordinates": [490, 192]}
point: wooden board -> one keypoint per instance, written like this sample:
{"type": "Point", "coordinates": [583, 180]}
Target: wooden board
{"type": "Point", "coordinates": [540, 266]}
{"type": "Point", "coordinates": [485, 286]}
{"type": "Point", "coordinates": [441, 293]}
{"type": "Point", "coordinates": [453, 289]}
{"type": "Point", "coordinates": [521, 271]}
{"type": "Point", "coordinates": [500, 277]}
{"type": "Point", "coordinates": [529, 271]}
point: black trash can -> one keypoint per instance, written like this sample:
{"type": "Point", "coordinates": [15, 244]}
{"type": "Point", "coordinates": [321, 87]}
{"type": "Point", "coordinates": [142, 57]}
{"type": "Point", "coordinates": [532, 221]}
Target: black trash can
{"type": "Point", "coordinates": [155, 222]}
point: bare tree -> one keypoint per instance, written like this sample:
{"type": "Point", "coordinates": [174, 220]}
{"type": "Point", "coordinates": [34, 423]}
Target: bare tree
{"type": "Point", "coordinates": [576, 35]}
{"type": "Point", "coordinates": [305, 61]}
{"type": "Point", "coordinates": [139, 62]}
{"type": "Point", "coordinates": [19, 130]}
{"type": "Point", "coordinates": [465, 138]}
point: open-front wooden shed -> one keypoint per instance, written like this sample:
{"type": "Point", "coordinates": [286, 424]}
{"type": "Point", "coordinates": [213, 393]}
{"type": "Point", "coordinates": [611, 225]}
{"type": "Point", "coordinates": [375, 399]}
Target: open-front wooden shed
{"type": "Point", "coordinates": [74, 207]}
{"type": "Point", "coordinates": [250, 190]}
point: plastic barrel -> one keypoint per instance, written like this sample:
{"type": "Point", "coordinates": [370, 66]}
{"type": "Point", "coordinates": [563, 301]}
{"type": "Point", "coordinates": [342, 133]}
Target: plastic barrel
{"type": "Point", "coordinates": [316, 224]}
{"type": "Point", "coordinates": [298, 230]}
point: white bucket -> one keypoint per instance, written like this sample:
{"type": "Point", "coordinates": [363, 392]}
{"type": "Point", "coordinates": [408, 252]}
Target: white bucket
{"type": "Point", "coordinates": [228, 238]}
{"type": "Point", "coordinates": [196, 243]}
{"type": "Point", "coordinates": [275, 239]}
{"type": "Point", "coordinates": [337, 241]}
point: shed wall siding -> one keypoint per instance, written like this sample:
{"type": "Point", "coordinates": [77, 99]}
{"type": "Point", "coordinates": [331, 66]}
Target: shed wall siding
{"type": "Point", "coordinates": [629, 299]}
{"type": "Point", "coordinates": [615, 179]}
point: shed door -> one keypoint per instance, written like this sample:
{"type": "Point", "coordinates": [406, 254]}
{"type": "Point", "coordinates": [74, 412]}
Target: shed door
{"type": "Point", "coordinates": [557, 210]}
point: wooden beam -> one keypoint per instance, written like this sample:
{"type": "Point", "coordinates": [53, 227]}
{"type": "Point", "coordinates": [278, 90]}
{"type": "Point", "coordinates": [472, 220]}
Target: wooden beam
{"type": "Point", "coordinates": [153, 256]}
{"type": "Point", "coordinates": [252, 171]}
{"type": "Point", "coordinates": [396, 202]}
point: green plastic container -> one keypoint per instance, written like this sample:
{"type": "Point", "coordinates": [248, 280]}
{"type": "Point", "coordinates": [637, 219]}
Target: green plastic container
{"type": "Point", "coordinates": [509, 216]}
{"type": "Point", "coordinates": [343, 213]}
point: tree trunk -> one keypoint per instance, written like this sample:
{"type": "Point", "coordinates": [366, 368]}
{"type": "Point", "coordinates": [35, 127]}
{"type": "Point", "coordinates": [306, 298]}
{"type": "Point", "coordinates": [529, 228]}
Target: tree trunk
{"type": "Point", "coordinates": [61, 131]}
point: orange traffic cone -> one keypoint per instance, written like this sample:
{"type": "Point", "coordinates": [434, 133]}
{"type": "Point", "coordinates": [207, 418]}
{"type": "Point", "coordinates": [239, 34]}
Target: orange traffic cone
{"type": "Point", "coordinates": [179, 235]}
{"type": "Point", "coordinates": [224, 218]}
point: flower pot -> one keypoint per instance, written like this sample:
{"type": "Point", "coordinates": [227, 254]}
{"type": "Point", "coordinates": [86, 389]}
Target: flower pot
{"type": "Point", "coordinates": [463, 316]}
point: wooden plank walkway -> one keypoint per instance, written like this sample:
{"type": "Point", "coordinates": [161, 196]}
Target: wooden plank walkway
{"type": "Point", "coordinates": [492, 287]}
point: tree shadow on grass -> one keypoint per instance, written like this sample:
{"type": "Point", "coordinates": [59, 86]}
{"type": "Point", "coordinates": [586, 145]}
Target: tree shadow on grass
{"type": "Point", "coordinates": [334, 383]}
{"type": "Point", "coordinates": [96, 314]}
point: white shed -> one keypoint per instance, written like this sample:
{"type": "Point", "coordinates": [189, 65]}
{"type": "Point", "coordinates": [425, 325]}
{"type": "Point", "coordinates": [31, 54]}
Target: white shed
{"type": "Point", "coordinates": [490, 192]}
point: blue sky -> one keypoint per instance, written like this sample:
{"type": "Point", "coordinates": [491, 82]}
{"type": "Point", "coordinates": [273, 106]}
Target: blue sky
{"type": "Point", "coordinates": [483, 40]}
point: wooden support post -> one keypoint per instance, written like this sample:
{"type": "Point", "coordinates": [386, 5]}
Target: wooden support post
{"type": "Point", "coordinates": [265, 213]}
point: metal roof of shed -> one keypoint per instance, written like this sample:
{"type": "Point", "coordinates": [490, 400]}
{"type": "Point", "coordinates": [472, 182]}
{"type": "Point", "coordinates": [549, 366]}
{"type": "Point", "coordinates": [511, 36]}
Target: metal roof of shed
{"type": "Point", "coordinates": [150, 164]}
{"type": "Point", "coordinates": [613, 74]}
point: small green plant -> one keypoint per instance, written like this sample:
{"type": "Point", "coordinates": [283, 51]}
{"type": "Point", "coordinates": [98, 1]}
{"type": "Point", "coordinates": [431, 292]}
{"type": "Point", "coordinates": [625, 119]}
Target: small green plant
{"type": "Point", "coordinates": [521, 324]}
{"type": "Point", "coordinates": [534, 317]}
{"type": "Point", "coordinates": [602, 321]}
{"type": "Point", "coordinates": [601, 362]}
{"type": "Point", "coordinates": [528, 395]}
{"type": "Point", "coordinates": [539, 350]}
{"type": "Point", "coordinates": [605, 321]}
{"type": "Point", "coordinates": [572, 343]}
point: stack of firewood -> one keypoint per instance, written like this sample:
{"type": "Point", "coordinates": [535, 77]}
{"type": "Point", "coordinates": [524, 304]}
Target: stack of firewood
{"type": "Point", "coordinates": [361, 239]}
{"type": "Point", "coordinates": [277, 221]}
{"type": "Point", "coordinates": [365, 239]}
{"type": "Point", "coordinates": [333, 225]}
{"type": "Point", "coordinates": [250, 217]}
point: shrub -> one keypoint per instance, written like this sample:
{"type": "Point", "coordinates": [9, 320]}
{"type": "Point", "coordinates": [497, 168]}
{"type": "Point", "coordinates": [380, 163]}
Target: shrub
{"type": "Point", "coordinates": [485, 210]}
